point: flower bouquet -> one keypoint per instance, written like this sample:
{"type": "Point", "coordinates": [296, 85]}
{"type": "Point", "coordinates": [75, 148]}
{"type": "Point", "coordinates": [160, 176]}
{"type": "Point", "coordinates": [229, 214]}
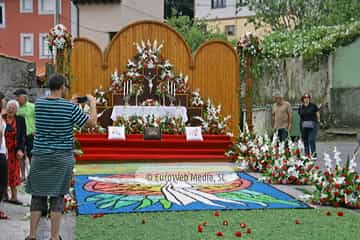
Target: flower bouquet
{"type": "Point", "coordinates": [290, 167]}
{"type": "Point", "coordinates": [116, 82]}
{"type": "Point", "coordinates": [181, 82]}
{"type": "Point", "coordinates": [337, 185]}
{"type": "Point", "coordinates": [100, 96]}
{"type": "Point", "coordinates": [172, 125]}
{"type": "Point", "coordinates": [213, 122]}
{"type": "Point", "coordinates": [59, 38]}
{"type": "Point", "coordinates": [150, 102]}
{"type": "Point", "coordinates": [135, 125]}
{"type": "Point", "coordinates": [196, 100]}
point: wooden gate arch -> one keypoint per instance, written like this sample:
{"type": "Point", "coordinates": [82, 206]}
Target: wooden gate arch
{"type": "Point", "coordinates": [213, 68]}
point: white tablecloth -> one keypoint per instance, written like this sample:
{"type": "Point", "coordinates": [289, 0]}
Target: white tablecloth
{"type": "Point", "coordinates": [157, 111]}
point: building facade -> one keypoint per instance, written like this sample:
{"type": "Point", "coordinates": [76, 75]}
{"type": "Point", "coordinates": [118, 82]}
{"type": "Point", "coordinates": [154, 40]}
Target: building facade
{"type": "Point", "coordinates": [226, 16]}
{"type": "Point", "coordinates": [24, 25]}
{"type": "Point", "coordinates": [100, 20]}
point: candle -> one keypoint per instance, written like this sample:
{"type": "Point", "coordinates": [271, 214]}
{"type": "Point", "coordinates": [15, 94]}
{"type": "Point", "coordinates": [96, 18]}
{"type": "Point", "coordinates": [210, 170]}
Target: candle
{"type": "Point", "coordinates": [168, 88]}
{"type": "Point", "coordinates": [130, 87]}
{"type": "Point", "coordinates": [127, 87]}
{"type": "Point", "coordinates": [124, 88]}
{"type": "Point", "coordinates": [171, 88]}
{"type": "Point", "coordinates": [174, 89]}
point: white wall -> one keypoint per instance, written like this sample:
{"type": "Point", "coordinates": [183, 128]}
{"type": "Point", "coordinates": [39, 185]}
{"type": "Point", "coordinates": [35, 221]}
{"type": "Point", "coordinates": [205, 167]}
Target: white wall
{"type": "Point", "coordinates": [203, 10]}
{"type": "Point", "coordinates": [74, 20]}
{"type": "Point", "coordinates": [96, 20]}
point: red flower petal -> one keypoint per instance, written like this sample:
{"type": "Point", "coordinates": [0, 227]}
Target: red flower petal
{"type": "Point", "coordinates": [248, 230]}
{"type": "Point", "coordinates": [243, 225]}
{"type": "Point", "coordinates": [340, 214]}
{"type": "Point", "coordinates": [200, 228]}
{"type": "Point", "coordinates": [297, 221]}
{"type": "Point", "coordinates": [219, 234]}
{"type": "Point", "coordinates": [238, 234]}
{"type": "Point", "coordinates": [216, 214]}
{"type": "Point", "coordinates": [328, 213]}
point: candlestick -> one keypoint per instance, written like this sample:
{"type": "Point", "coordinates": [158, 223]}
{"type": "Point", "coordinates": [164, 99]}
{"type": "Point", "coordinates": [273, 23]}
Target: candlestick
{"type": "Point", "coordinates": [124, 88]}
{"type": "Point", "coordinates": [168, 87]}
{"type": "Point", "coordinates": [130, 87]}
{"type": "Point", "coordinates": [174, 89]}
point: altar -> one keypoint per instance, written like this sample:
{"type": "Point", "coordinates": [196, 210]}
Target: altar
{"type": "Point", "coordinates": [156, 111]}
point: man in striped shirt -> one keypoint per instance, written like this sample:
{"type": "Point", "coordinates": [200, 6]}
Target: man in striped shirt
{"type": "Point", "coordinates": [52, 156]}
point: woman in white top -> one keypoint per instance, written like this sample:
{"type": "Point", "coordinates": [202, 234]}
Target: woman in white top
{"type": "Point", "coordinates": [3, 166]}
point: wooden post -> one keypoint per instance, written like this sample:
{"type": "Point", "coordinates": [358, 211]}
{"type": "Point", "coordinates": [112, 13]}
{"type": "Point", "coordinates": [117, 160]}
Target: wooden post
{"type": "Point", "coordinates": [248, 99]}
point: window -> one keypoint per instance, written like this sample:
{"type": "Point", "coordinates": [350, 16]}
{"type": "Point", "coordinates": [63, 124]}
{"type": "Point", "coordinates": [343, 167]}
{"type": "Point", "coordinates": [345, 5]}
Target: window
{"type": "Point", "coordinates": [218, 3]}
{"type": "Point", "coordinates": [26, 6]}
{"type": "Point", "coordinates": [2, 15]}
{"type": "Point", "coordinates": [44, 51]}
{"type": "Point", "coordinates": [27, 44]}
{"type": "Point", "coordinates": [230, 30]}
{"type": "Point", "coordinates": [47, 7]}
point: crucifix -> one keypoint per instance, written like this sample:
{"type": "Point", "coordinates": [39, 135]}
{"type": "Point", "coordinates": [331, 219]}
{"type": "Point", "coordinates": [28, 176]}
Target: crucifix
{"type": "Point", "coordinates": [150, 82]}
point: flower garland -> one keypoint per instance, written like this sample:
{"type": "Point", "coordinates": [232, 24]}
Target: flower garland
{"type": "Point", "coordinates": [137, 124]}
{"type": "Point", "coordinates": [249, 45]}
{"type": "Point", "coordinates": [60, 42]}
{"type": "Point", "coordinates": [337, 185]}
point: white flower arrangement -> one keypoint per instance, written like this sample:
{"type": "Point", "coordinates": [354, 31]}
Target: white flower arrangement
{"type": "Point", "coordinates": [116, 82]}
{"type": "Point", "coordinates": [213, 122]}
{"type": "Point", "coordinates": [100, 96]}
{"type": "Point", "coordinates": [337, 185]}
{"type": "Point", "coordinates": [59, 38]}
{"type": "Point", "coordinates": [196, 99]}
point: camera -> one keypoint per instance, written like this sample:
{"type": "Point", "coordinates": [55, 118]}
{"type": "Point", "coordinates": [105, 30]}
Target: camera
{"type": "Point", "coordinates": [82, 99]}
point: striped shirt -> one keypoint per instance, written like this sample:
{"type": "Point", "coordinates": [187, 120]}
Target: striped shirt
{"type": "Point", "coordinates": [54, 121]}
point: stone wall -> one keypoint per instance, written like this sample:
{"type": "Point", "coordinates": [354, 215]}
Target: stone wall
{"type": "Point", "coordinates": [293, 78]}
{"type": "Point", "coordinates": [16, 73]}
{"type": "Point", "coordinates": [346, 106]}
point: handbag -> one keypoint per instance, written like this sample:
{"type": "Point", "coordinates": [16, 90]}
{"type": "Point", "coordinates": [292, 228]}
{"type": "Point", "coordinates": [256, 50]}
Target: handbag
{"type": "Point", "coordinates": [308, 124]}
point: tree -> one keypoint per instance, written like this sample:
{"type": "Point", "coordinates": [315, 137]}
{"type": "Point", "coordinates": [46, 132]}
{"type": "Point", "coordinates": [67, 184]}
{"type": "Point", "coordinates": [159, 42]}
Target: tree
{"type": "Point", "coordinates": [179, 8]}
{"type": "Point", "coordinates": [285, 14]}
{"type": "Point", "coordinates": [194, 32]}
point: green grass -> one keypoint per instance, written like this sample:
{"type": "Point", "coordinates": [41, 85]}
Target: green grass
{"type": "Point", "coordinates": [265, 224]}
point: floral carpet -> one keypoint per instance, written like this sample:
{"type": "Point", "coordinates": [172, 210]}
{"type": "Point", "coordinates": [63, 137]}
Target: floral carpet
{"type": "Point", "coordinates": [176, 188]}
